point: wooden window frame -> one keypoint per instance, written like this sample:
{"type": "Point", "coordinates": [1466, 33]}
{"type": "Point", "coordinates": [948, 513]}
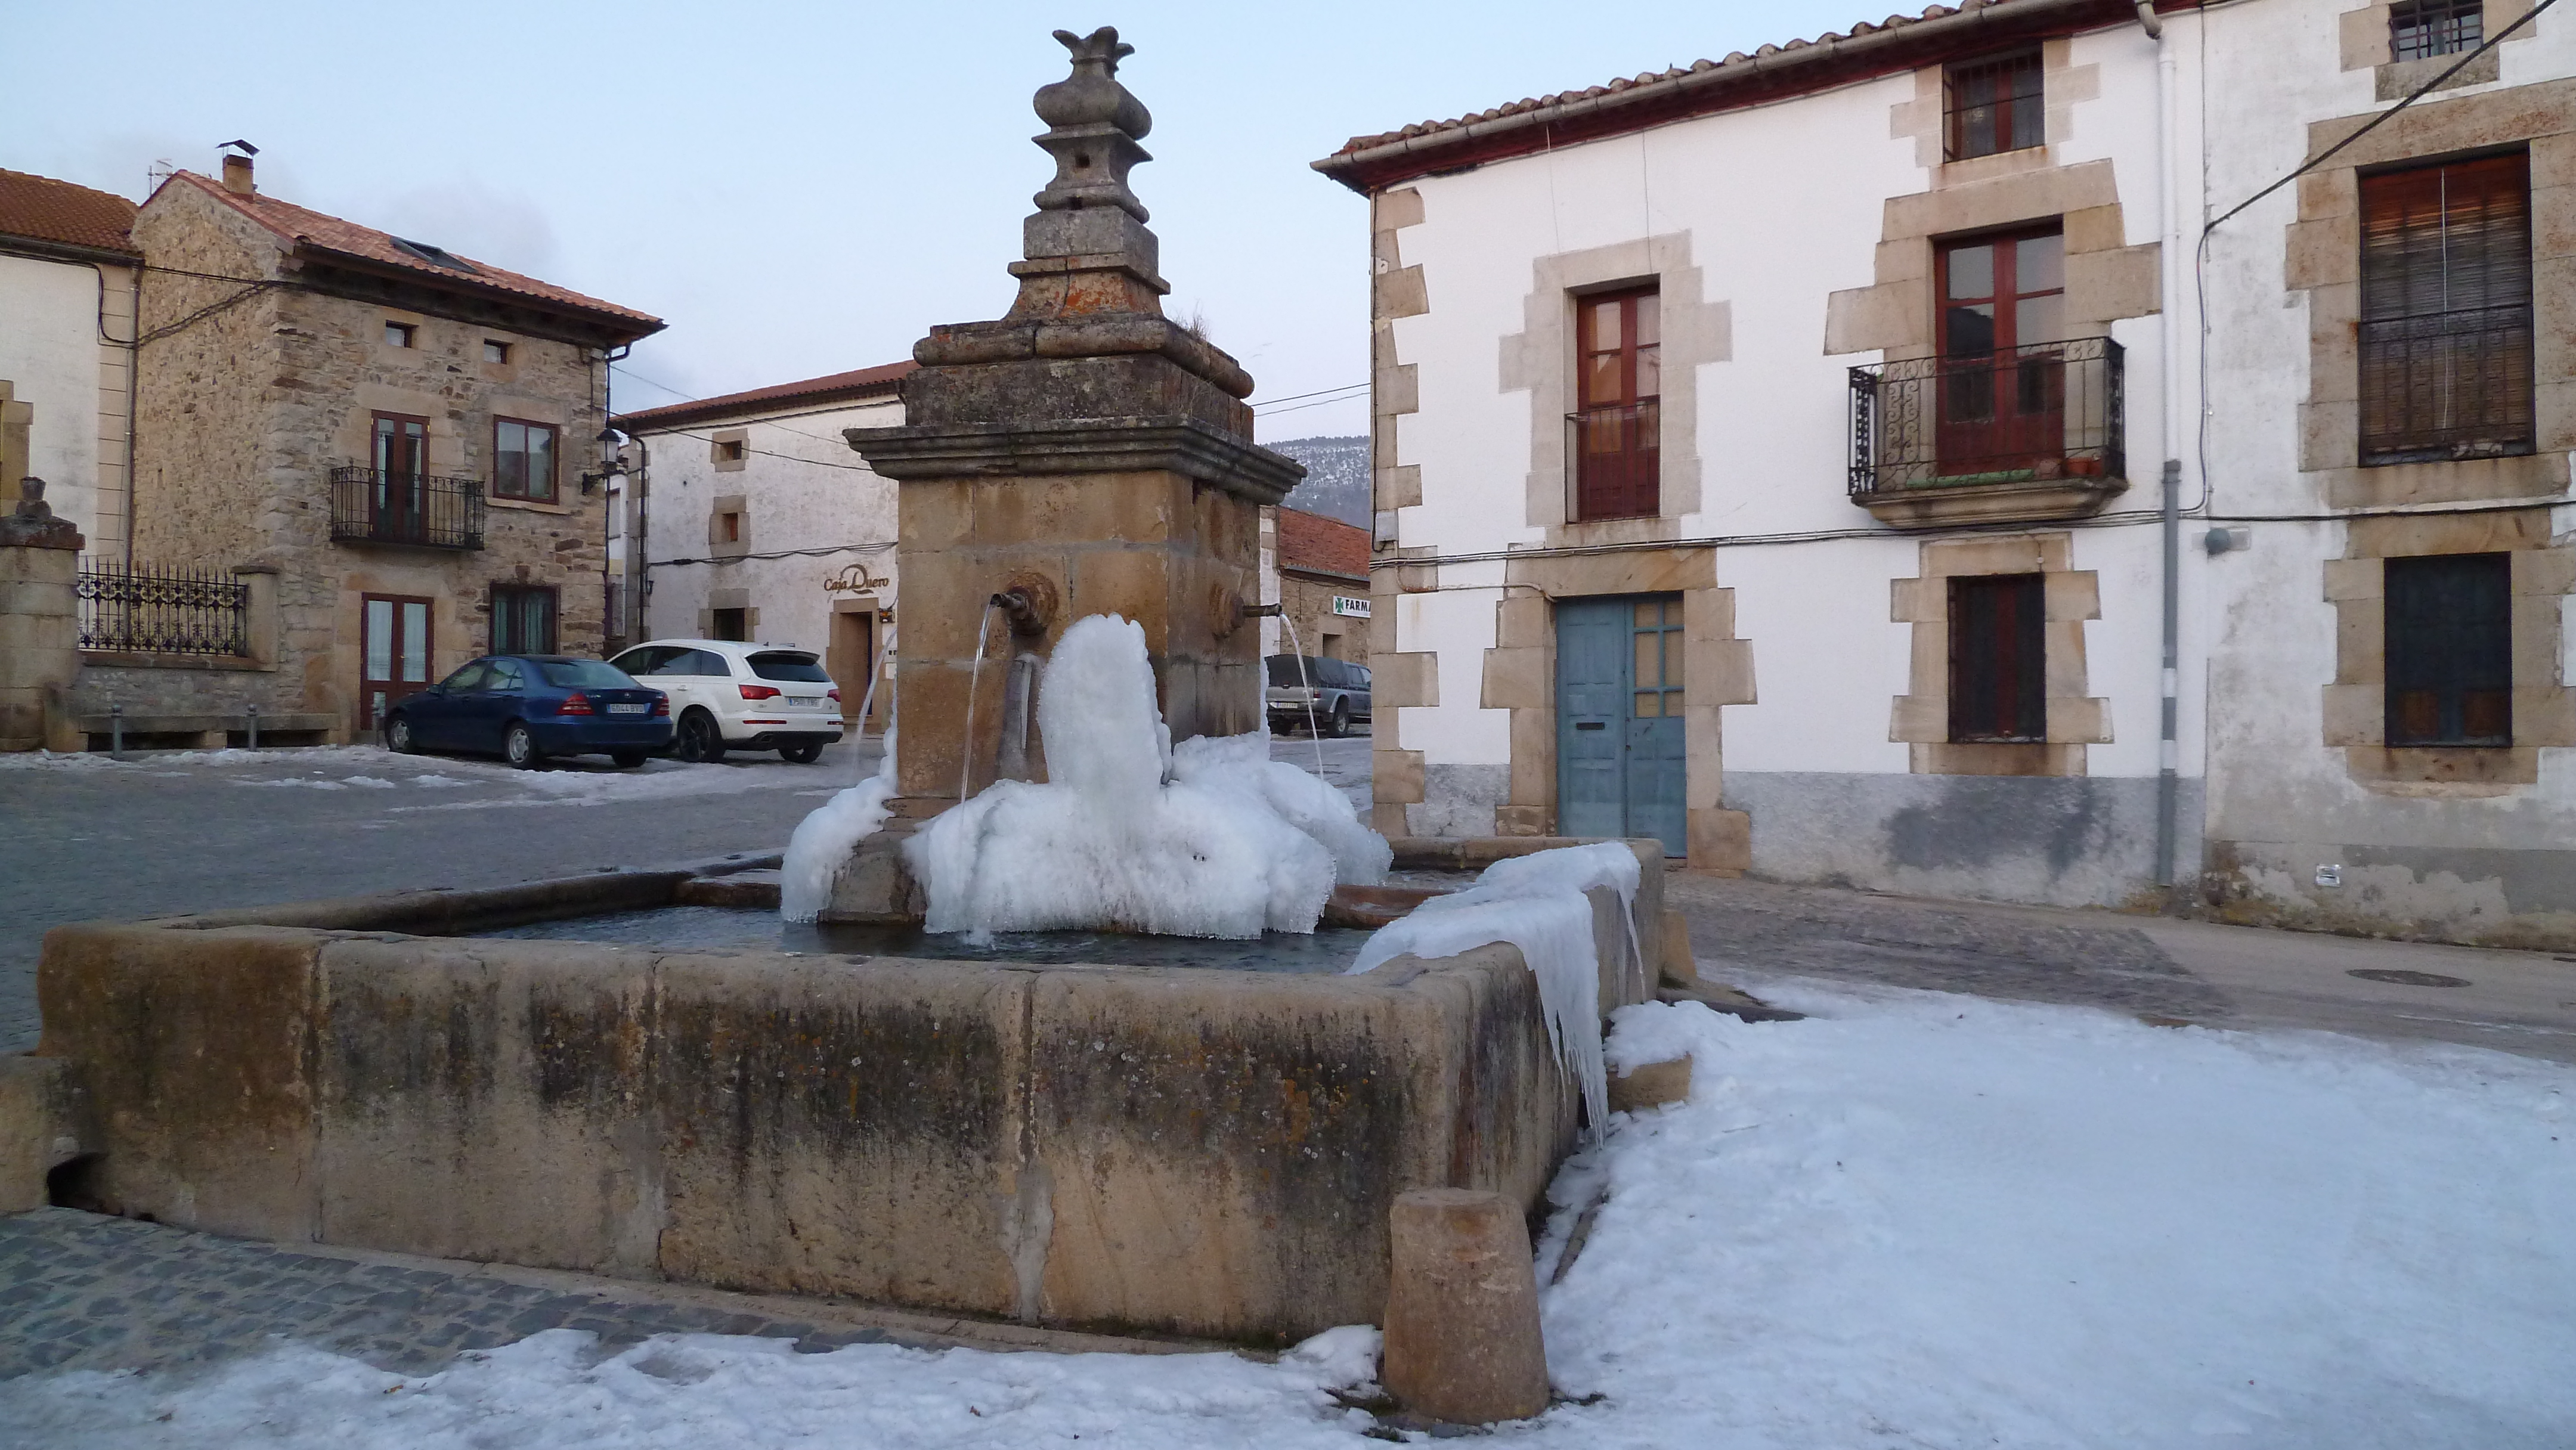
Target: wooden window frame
{"type": "Point", "coordinates": [496, 352]}
{"type": "Point", "coordinates": [368, 716]}
{"type": "Point", "coordinates": [501, 596]}
{"type": "Point", "coordinates": [2449, 675]}
{"type": "Point", "coordinates": [525, 489]}
{"type": "Point", "coordinates": [404, 335]}
{"type": "Point", "coordinates": [2417, 403]}
{"type": "Point", "coordinates": [2016, 108]}
{"type": "Point", "coordinates": [1987, 655]}
{"type": "Point", "coordinates": [1614, 437]}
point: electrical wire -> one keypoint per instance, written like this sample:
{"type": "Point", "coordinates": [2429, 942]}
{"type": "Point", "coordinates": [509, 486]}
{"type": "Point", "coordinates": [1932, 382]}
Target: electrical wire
{"type": "Point", "coordinates": [875, 548]}
{"type": "Point", "coordinates": [1293, 397]}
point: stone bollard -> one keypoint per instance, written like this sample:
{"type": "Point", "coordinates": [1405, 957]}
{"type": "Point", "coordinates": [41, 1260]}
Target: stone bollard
{"type": "Point", "coordinates": [1462, 1335]}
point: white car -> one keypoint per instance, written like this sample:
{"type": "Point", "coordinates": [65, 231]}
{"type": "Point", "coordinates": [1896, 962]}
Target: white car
{"type": "Point", "coordinates": [728, 695]}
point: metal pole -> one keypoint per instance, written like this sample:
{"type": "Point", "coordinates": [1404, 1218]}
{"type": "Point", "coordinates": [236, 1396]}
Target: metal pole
{"type": "Point", "coordinates": [116, 732]}
{"type": "Point", "coordinates": [254, 727]}
{"type": "Point", "coordinates": [2169, 748]}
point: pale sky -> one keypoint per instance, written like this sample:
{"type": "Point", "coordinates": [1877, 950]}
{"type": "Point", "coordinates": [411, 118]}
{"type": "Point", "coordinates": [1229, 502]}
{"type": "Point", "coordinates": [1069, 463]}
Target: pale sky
{"type": "Point", "coordinates": [801, 189]}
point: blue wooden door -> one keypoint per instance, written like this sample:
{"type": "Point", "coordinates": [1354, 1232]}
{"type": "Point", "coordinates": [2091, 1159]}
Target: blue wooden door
{"type": "Point", "coordinates": [1621, 752]}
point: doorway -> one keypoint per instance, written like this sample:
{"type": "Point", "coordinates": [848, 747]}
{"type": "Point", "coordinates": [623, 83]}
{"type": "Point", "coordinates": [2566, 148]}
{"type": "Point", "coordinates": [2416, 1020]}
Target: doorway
{"type": "Point", "coordinates": [394, 650]}
{"type": "Point", "coordinates": [396, 507]}
{"type": "Point", "coordinates": [2002, 383]}
{"type": "Point", "coordinates": [1622, 757]}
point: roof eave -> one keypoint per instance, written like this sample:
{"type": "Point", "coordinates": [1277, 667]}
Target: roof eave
{"type": "Point", "coordinates": [1407, 157]}
{"type": "Point", "coordinates": [618, 326]}
{"type": "Point", "coordinates": [48, 249]}
{"type": "Point", "coordinates": [689, 415]}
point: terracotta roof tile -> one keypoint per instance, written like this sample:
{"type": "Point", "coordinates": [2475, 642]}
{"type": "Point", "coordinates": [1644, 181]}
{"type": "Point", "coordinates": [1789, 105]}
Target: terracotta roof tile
{"type": "Point", "coordinates": [872, 382]}
{"type": "Point", "coordinates": [305, 226]}
{"type": "Point", "coordinates": [1318, 545]}
{"type": "Point", "coordinates": [42, 209]}
{"type": "Point", "coordinates": [1648, 86]}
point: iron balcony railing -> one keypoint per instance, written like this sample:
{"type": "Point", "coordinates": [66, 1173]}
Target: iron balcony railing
{"type": "Point", "coordinates": [2047, 413]}
{"type": "Point", "coordinates": [165, 611]}
{"type": "Point", "coordinates": [2447, 385]}
{"type": "Point", "coordinates": [381, 506]}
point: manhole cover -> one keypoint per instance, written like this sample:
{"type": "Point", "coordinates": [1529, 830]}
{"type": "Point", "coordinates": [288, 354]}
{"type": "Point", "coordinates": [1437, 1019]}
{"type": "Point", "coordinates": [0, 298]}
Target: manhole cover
{"type": "Point", "coordinates": [2406, 979]}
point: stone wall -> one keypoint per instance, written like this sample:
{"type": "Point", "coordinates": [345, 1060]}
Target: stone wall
{"type": "Point", "coordinates": [1309, 601]}
{"type": "Point", "coordinates": [1183, 1151]}
{"type": "Point", "coordinates": [248, 408]}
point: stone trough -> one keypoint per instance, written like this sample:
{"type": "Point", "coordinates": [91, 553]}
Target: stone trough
{"type": "Point", "coordinates": [1173, 1150]}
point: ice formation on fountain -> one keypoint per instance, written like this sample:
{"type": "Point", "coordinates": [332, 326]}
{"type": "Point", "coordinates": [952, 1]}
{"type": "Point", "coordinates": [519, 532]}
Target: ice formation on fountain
{"type": "Point", "coordinates": [1128, 834]}
{"type": "Point", "coordinates": [825, 838]}
{"type": "Point", "coordinates": [1537, 903]}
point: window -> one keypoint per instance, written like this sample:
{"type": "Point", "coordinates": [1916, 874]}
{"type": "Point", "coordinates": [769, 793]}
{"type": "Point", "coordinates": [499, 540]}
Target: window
{"type": "Point", "coordinates": [1618, 419]}
{"type": "Point", "coordinates": [788, 668]}
{"type": "Point", "coordinates": [495, 352]}
{"type": "Point", "coordinates": [399, 334]}
{"type": "Point", "coordinates": [731, 624]}
{"type": "Point", "coordinates": [2450, 650]}
{"type": "Point", "coordinates": [523, 619]}
{"type": "Point", "coordinates": [729, 450]}
{"type": "Point", "coordinates": [1656, 636]}
{"type": "Point", "coordinates": [1995, 105]}
{"type": "Point", "coordinates": [2420, 28]}
{"type": "Point", "coordinates": [1998, 658]}
{"type": "Point", "coordinates": [728, 529]}
{"type": "Point", "coordinates": [2002, 390]}
{"type": "Point", "coordinates": [523, 459]}
{"type": "Point", "coordinates": [2446, 347]}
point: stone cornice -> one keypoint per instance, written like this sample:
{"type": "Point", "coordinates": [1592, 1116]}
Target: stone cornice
{"type": "Point", "coordinates": [1185, 446]}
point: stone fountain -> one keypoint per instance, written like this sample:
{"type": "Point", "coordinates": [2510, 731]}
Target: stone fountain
{"type": "Point", "coordinates": [1181, 1150]}
{"type": "Point", "coordinates": [1082, 455]}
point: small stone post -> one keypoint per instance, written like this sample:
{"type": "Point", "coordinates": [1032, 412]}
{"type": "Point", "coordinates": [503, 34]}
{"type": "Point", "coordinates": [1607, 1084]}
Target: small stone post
{"type": "Point", "coordinates": [39, 623]}
{"type": "Point", "coordinates": [1462, 1334]}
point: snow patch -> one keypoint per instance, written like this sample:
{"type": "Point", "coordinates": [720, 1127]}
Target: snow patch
{"type": "Point", "coordinates": [823, 841]}
{"type": "Point", "coordinates": [1536, 903]}
{"type": "Point", "coordinates": [294, 780]}
{"type": "Point", "coordinates": [1129, 835]}
{"type": "Point", "coordinates": [372, 782]}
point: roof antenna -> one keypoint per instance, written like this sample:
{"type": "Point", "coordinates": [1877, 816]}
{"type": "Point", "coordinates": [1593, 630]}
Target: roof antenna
{"type": "Point", "coordinates": [247, 149]}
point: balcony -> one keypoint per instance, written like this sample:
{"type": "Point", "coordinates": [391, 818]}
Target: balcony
{"type": "Point", "coordinates": [2024, 435]}
{"type": "Point", "coordinates": [379, 506]}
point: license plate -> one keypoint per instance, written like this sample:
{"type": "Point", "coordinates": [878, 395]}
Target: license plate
{"type": "Point", "coordinates": [628, 709]}
{"type": "Point", "coordinates": [804, 699]}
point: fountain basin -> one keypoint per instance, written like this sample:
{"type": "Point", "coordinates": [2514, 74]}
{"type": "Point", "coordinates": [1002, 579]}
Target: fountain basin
{"type": "Point", "coordinates": [1181, 1150]}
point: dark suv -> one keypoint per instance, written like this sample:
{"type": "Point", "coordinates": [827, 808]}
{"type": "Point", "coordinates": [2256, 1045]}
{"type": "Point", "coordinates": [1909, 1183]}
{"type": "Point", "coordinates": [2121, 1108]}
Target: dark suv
{"type": "Point", "coordinates": [1337, 691]}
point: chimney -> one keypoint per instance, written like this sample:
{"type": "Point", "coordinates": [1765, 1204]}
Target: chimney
{"type": "Point", "coordinates": [237, 175]}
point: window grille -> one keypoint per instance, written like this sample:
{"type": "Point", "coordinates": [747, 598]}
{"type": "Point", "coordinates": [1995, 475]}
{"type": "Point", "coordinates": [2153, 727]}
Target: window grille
{"type": "Point", "coordinates": [2446, 324]}
{"type": "Point", "coordinates": [2421, 28]}
{"type": "Point", "coordinates": [1996, 105]}
{"type": "Point", "coordinates": [1998, 658]}
{"type": "Point", "coordinates": [2450, 650]}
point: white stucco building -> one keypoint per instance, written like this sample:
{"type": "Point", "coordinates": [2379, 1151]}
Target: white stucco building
{"type": "Point", "coordinates": [749, 517]}
{"type": "Point", "coordinates": [68, 272]}
{"type": "Point", "coordinates": [1774, 455]}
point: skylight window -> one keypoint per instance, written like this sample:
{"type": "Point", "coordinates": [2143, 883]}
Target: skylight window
{"type": "Point", "coordinates": [434, 256]}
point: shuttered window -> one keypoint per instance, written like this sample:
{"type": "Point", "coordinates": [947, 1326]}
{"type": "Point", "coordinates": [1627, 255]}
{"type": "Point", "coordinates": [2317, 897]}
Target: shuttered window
{"type": "Point", "coordinates": [1617, 429]}
{"type": "Point", "coordinates": [1998, 658]}
{"type": "Point", "coordinates": [2450, 650]}
{"type": "Point", "coordinates": [2446, 355]}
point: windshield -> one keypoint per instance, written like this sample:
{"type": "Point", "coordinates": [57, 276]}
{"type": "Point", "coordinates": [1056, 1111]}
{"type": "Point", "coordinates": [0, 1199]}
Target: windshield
{"type": "Point", "coordinates": [795, 668]}
{"type": "Point", "coordinates": [1283, 671]}
{"type": "Point", "coordinates": [585, 675]}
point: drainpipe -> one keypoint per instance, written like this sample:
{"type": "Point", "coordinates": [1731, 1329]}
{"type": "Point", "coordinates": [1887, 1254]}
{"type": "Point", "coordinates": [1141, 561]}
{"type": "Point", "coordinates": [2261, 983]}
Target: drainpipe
{"type": "Point", "coordinates": [2169, 735]}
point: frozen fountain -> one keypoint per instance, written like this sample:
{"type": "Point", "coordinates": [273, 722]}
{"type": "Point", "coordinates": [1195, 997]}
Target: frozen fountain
{"type": "Point", "coordinates": [1086, 1142]}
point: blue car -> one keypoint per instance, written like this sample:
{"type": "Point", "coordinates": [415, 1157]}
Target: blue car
{"type": "Point", "coordinates": [527, 707]}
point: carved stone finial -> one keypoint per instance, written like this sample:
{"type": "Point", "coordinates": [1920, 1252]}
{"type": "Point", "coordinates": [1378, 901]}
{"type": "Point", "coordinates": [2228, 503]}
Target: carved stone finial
{"type": "Point", "coordinates": [1093, 124]}
{"type": "Point", "coordinates": [32, 523]}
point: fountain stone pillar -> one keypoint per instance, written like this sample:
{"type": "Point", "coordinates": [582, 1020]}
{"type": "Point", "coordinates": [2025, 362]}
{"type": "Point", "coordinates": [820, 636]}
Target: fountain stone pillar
{"type": "Point", "coordinates": [1083, 450]}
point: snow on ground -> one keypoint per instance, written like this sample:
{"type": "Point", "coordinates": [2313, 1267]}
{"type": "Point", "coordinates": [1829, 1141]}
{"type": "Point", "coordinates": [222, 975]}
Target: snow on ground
{"type": "Point", "coordinates": [1911, 1220]}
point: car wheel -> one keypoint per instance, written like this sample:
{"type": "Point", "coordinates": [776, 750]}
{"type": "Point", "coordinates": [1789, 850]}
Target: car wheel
{"type": "Point", "coordinates": [1340, 725]}
{"type": "Point", "coordinates": [519, 744]}
{"type": "Point", "coordinates": [398, 736]}
{"type": "Point", "coordinates": [700, 742]}
{"type": "Point", "coordinates": [805, 753]}
{"type": "Point", "coordinates": [627, 759]}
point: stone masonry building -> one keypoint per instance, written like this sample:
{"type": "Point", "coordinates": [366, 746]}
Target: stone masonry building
{"type": "Point", "coordinates": [1323, 583]}
{"type": "Point", "coordinates": [404, 439]}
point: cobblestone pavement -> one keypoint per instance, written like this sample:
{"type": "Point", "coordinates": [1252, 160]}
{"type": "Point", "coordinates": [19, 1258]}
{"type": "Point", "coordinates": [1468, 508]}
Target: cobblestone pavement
{"type": "Point", "coordinates": [78, 1291]}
